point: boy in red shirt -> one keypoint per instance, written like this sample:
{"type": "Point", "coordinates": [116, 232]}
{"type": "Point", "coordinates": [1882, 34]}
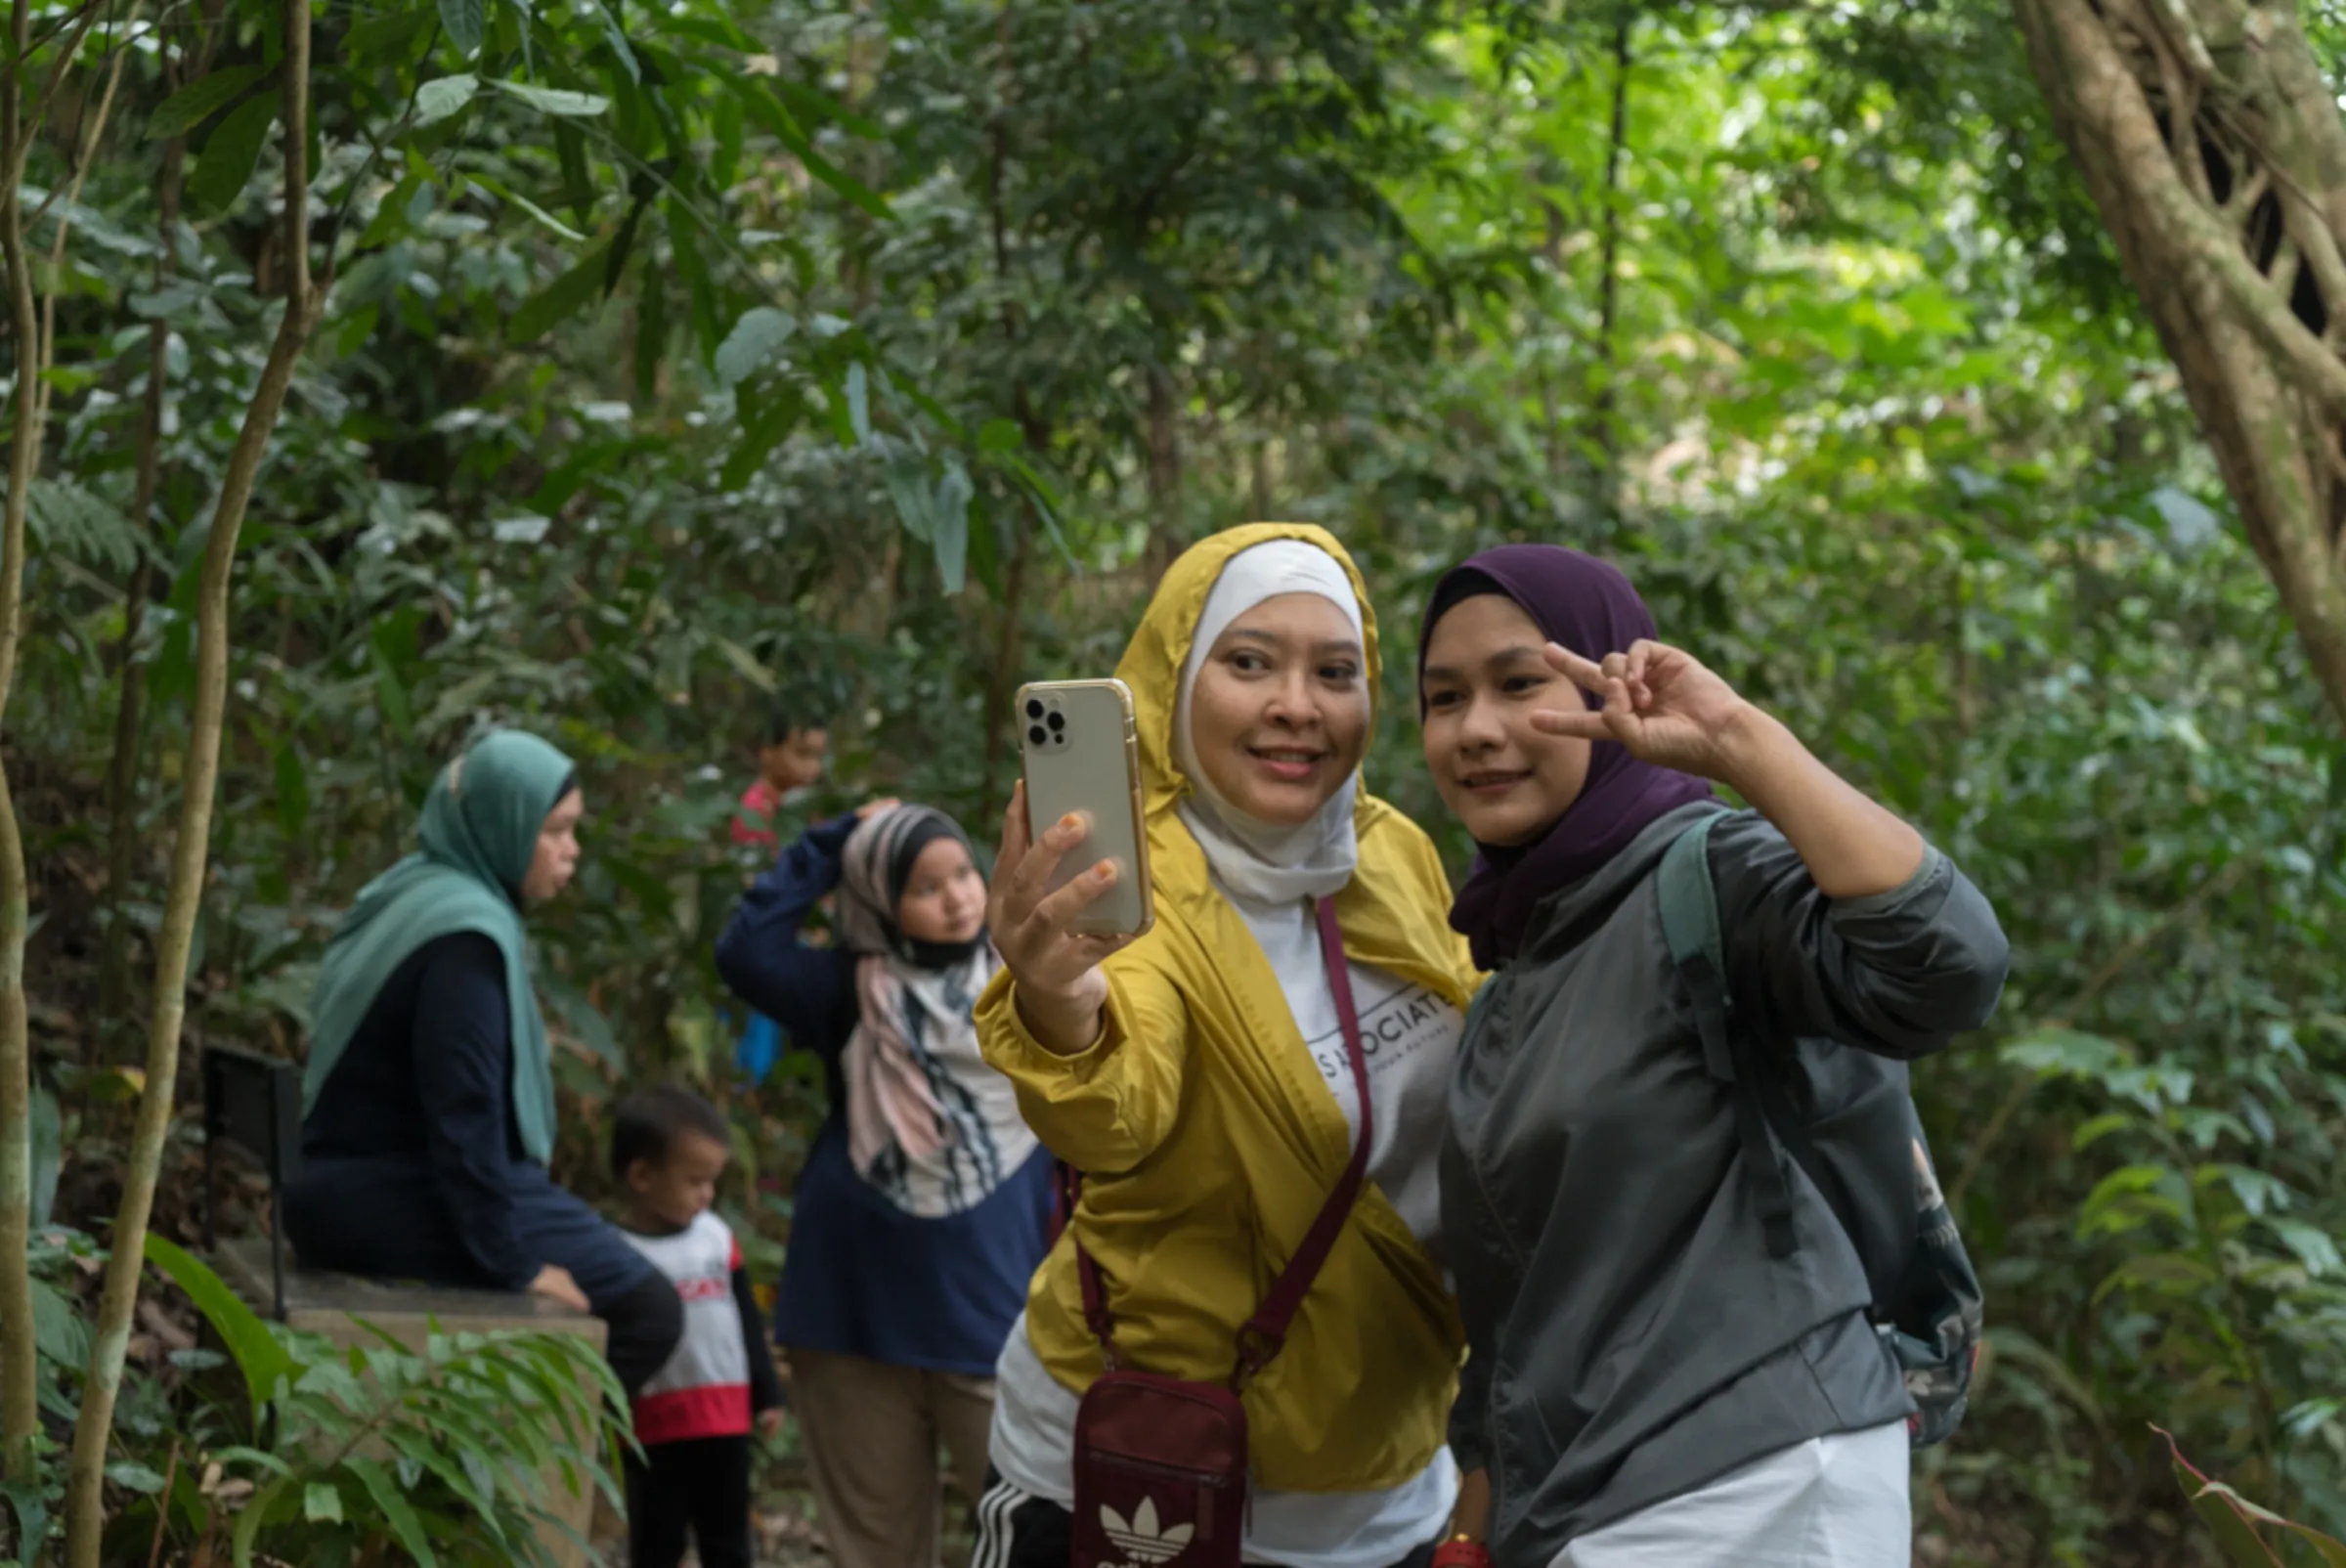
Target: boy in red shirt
{"type": "Point", "coordinates": [790, 761]}
{"type": "Point", "coordinates": [669, 1147]}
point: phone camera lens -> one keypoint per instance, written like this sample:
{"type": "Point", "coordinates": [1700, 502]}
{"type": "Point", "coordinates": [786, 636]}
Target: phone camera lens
{"type": "Point", "coordinates": [1039, 735]}
{"type": "Point", "coordinates": [1059, 722]}
{"type": "Point", "coordinates": [1034, 708]}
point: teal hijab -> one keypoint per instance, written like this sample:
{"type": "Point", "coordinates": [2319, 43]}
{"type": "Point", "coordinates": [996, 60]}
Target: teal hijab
{"type": "Point", "coordinates": [479, 834]}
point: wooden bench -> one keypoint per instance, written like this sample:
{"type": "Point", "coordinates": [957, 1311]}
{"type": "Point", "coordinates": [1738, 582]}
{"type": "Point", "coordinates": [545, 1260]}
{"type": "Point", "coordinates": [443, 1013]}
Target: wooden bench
{"type": "Point", "coordinates": [253, 1104]}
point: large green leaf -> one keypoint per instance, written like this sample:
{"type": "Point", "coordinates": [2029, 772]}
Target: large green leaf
{"type": "Point", "coordinates": [224, 166]}
{"type": "Point", "coordinates": [757, 337]}
{"type": "Point", "coordinates": [464, 22]}
{"type": "Point", "coordinates": [952, 526]}
{"type": "Point", "coordinates": [558, 300]}
{"type": "Point", "coordinates": [442, 97]}
{"type": "Point", "coordinates": [554, 101]}
{"type": "Point", "coordinates": [258, 1355]}
{"type": "Point", "coordinates": [200, 99]}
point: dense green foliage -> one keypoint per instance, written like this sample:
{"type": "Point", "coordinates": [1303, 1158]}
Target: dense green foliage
{"type": "Point", "coordinates": [874, 359]}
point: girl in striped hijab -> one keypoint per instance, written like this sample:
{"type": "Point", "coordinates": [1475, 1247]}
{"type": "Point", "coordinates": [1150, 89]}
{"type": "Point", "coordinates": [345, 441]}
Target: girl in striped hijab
{"type": "Point", "coordinates": [925, 1203]}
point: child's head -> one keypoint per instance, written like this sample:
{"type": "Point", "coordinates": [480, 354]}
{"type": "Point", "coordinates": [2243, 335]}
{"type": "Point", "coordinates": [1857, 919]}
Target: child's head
{"type": "Point", "coordinates": [791, 758]}
{"type": "Point", "coordinates": [668, 1148]}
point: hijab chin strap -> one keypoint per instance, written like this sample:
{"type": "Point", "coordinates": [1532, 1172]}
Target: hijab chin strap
{"type": "Point", "coordinates": [1267, 862]}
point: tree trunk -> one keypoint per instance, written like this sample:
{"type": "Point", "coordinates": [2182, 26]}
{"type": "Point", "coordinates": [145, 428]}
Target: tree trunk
{"type": "Point", "coordinates": [84, 1498]}
{"type": "Point", "coordinates": [2214, 149]}
{"type": "Point", "coordinates": [20, 1415]}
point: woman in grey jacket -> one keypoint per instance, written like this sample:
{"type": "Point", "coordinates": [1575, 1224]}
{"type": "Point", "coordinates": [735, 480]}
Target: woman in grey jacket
{"type": "Point", "coordinates": [1648, 1383]}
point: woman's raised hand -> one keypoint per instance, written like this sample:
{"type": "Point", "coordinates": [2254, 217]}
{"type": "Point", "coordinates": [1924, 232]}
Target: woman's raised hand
{"type": "Point", "coordinates": [872, 808]}
{"type": "Point", "coordinates": [1660, 704]}
{"type": "Point", "coordinates": [1061, 989]}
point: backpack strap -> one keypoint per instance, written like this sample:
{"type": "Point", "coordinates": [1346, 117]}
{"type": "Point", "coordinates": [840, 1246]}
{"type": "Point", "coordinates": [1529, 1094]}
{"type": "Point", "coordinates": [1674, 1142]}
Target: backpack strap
{"type": "Point", "coordinates": [1690, 924]}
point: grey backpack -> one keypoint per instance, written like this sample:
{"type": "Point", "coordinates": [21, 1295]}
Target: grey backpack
{"type": "Point", "coordinates": [1846, 1119]}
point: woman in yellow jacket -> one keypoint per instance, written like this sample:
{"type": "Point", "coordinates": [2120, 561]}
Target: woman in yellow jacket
{"type": "Point", "coordinates": [1198, 1077]}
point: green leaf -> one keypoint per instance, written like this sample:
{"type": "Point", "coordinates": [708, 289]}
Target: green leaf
{"type": "Point", "coordinates": [356, 329]}
{"type": "Point", "coordinates": [558, 300]}
{"type": "Point", "coordinates": [578, 186]}
{"type": "Point", "coordinates": [757, 337]}
{"type": "Point", "coordinates": [2219, 1507]}
{"type": "Point", "coordinates": [69, 521]}
{"type": "Point", "coordinates": [57, 1330]}
{"type": "Point", "coordinates": [259, 1356]}
{"type": "Point", "coordinates": [134, 1477]}
{"type": "Point", "coordinates": [465, 21]}
{"type": "Point", "coordinates": [249, 1522]}
{"type": "Point", "coordinates": [48, 1152]}
{"type": "Point", "coordinates": [952, 518]}
{"type": "Point", "coordinates": [997, 435]}
{"type": "Point", "coordinates": [859, 403]}
{"type": "Point", "coordinates": [396, 1512]}
{"type": "Point", "coordinates": [444, 95]}
{"type": "Point", "coordinates": [651, 330]}
{"type": "Point", "coordinates": [319, 1502]}
{"type": "Point", "coordinates": [200, 99]}
{"type": "Point", "coordinates": [32, 1509]}
{"type": "Point", "coordinates": [908, 487]}
{"type": "Point", "coordinates": [778, 414]}
{"type": "Point", "coordinates": [504, 192]}
{"type": "Point", "coordinates": [224, 166]}
{"type": "Point", "coordinates": [553, 100]}
{"type": "Point", "coordinates": [616, 37]}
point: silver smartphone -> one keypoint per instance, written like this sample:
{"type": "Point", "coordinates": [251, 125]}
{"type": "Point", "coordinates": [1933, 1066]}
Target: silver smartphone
{"type": "Point", "coordinates": [1082, 753]}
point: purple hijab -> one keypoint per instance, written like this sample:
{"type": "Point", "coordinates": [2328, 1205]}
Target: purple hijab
{"type": "Point", "coordinates": [1589, 607]}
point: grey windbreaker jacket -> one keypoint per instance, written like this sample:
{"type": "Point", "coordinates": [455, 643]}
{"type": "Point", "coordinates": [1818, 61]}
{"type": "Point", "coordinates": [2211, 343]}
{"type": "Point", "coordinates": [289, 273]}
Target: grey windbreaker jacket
{"type": "Point", "coordinates": [1630, 1337]}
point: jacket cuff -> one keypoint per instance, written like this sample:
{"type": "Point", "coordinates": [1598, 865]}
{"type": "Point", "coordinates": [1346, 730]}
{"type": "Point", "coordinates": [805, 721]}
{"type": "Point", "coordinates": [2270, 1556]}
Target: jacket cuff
{"type": "Point", "coordinates": [1014, 1051]}
{"type": "Point", "coordinates": [1929, 877]}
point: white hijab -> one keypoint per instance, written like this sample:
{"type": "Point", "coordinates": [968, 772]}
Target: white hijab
{"type": "Point", "coordinates": [1267, 862]}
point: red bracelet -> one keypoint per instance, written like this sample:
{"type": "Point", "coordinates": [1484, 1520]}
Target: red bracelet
{"type": "Point", "coordinates": [1460, 1554]}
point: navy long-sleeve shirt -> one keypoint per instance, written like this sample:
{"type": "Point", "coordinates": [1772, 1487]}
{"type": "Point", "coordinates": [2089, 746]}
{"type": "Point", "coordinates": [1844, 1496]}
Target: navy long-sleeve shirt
{"type": "Point", "coordinates": [428, 1074]}
{"type": "Point", "coordinates": [863, 1277]}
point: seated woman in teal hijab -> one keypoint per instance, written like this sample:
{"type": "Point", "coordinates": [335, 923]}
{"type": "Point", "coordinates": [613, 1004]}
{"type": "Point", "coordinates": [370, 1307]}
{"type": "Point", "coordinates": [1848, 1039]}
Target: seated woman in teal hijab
{"type": "Point", "coordinates": [429, 1102]}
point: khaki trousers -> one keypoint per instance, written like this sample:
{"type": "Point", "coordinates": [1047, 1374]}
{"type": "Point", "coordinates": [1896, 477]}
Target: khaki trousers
{"type": "Point", "coordinates": [872, 1432]}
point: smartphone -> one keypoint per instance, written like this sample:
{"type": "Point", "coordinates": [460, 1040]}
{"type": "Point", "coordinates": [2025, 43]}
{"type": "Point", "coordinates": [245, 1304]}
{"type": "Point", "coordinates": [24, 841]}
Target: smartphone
{"type": "Point", "coordinates": [1082, 753]}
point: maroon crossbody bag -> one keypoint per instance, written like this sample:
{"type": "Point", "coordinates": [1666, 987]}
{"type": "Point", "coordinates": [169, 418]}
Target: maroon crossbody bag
{"type": "Point", "coordinates": [1160, 1462]}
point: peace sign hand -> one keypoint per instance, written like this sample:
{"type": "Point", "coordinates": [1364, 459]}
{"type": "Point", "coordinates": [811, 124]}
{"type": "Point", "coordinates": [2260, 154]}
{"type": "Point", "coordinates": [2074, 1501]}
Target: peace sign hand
{"type": "Point", "coordinates": [1660, 704]}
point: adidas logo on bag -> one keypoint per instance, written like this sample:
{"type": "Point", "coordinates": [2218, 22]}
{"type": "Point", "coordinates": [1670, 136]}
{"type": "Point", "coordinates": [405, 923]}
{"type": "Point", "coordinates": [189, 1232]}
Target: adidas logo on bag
{"type": "Point", "coordinates": [1140, 1540]}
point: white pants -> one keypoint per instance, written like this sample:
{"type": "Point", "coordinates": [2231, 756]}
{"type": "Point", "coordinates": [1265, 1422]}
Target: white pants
{"type": "Point", "coordinates": [1830, 1503]}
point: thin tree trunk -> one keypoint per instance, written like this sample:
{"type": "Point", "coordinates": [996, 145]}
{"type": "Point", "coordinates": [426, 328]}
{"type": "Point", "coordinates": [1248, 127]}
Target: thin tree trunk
{"type": "Point", "coordinates": [20, 1413]}
{"type": "Point", "coordinates": [1603, 410]}
{"type": "Point", "coordinates": [1164, 474]}
{"type": "Point", "coordinates": [85, 1487]}
{"type": "Point", "coordinates": [122, 771]}
{"type": "Point", "coordinates": [2205, 132]}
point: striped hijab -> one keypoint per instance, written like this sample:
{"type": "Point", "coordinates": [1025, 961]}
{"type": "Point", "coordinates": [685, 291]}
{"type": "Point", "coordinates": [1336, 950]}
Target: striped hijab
{"type": "Point", "coordinates": [930, 1125]}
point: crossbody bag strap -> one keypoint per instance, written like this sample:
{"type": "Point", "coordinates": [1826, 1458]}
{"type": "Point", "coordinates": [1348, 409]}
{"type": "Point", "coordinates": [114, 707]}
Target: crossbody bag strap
{"type": "Point", "coordinates": [1264, 1334]}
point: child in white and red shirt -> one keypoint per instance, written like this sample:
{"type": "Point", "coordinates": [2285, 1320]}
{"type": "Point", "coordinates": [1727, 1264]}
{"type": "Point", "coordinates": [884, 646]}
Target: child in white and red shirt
{"type": "Point", "coordinates": [693, 1418]}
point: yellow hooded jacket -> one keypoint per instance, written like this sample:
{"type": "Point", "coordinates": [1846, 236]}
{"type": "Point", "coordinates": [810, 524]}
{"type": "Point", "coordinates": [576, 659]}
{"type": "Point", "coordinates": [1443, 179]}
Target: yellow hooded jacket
{"type": "Point", "coordinates": [1208, 1140]}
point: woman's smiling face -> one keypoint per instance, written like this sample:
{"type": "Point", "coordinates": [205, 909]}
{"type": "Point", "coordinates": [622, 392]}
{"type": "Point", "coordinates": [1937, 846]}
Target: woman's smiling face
{"type": "Point", "coordinates": [1484, 678]}
{"type": "Point", "coordinates": [1280, 711]}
